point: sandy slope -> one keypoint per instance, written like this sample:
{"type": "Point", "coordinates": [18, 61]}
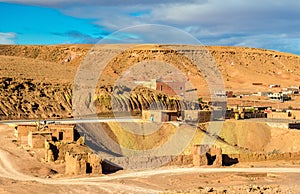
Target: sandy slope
{"type": "Point", "coordinates": [259, 137]}
{"type": "Point", "coordinates": [240, 66]}
{"type": "Point", "coordinates": [42, 76]}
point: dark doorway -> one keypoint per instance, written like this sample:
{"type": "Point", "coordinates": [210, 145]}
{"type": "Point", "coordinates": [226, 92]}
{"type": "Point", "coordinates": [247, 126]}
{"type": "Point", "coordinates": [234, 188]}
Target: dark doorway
{"type": "Point", "coordinates": [60, 136]}
{"type": "Point", "coordinates": [210, 159]}
{"type": "Point", "coordinates": [89, 168]}
{"type": "Point", "coordinates": [227, 161]}
{"type": "Point", "coordinates": [170, 117]}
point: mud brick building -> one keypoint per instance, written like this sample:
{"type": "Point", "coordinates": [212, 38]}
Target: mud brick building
{"type": "Point", "coordinates": [34, 135]}
{"type": "Point", "coordinates": [82, 163]}
{"type": "Point", "coordinates": [160, 115]}
{"type": "Point", "coordinates": [206, 155]}
{"type": "Point", "coordinates": [36, 139]}
{"type": "Point", "coordinates": [171, 87]}
{"type": "Point", "coordinates": [22, 131]}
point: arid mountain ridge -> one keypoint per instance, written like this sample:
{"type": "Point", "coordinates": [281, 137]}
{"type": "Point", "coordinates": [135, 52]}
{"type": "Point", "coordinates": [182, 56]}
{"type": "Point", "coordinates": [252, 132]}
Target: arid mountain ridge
{"type": "Point", "coordinates": [36, 81]}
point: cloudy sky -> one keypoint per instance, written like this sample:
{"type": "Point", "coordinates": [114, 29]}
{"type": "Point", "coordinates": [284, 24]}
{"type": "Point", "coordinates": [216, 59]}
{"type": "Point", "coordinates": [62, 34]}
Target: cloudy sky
{"type": "Point", "coordinates": [269, 24]}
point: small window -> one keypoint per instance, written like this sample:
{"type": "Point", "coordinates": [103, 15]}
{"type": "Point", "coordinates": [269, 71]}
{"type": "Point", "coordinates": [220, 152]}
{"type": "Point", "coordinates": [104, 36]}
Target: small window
{"type": "Point", "coordinates": [60, 136]}
{"type": "Point", "coordinates": [89, 168]}
{"type": "Point", "coordinates": [180, 88]}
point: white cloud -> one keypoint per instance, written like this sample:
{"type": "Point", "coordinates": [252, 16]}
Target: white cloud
{"type": "Point", "coordinates": [57, 3]}
{"type": "Point", "coordinates": [278, 42]}
{"type": "Point", "coordinates": [7, 38]}
{"type": "Point", "coordinates": [232, 22]}
{"type": "Point", "coordinates": [150, 34]}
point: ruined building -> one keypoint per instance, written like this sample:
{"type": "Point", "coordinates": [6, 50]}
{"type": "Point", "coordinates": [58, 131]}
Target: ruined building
{"type": "Point", "coordinates": [36, 135]}
{"type": "Point", "coordinates": [82, 163]}
{"type": "Point", "coordinates": [61, 144]}
{"type": "Point", "coordinates": [206, 155]}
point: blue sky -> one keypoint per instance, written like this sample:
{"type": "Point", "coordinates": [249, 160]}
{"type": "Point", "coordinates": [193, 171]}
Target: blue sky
{"type": "Point", "coordinates": [24, 24]}
{"type": "Point", "coordinates": [269, 24]}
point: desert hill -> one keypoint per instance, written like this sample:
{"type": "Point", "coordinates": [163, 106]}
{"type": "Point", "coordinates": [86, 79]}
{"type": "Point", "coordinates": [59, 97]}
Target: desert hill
{"type": "Point", "coordinates": [37, 80]}
{"type": "Point", "coordinates": [239, 65]}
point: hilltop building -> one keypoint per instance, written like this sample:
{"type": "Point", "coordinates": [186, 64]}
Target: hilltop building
{"type": "Point", "coordinates": [170, 86]}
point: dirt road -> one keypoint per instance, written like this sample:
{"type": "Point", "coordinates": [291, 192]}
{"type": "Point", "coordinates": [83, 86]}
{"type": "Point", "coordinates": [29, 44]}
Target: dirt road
{"type": "Point", "coordinates": [109, 183]}
{"type": "Point", "coordinates": [14, 179]}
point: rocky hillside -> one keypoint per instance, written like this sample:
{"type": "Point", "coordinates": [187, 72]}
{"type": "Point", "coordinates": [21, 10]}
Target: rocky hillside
{"type": "Point", "coordinates": [26, 98]}
{"type": "Point", "coordinates": [37, 81]}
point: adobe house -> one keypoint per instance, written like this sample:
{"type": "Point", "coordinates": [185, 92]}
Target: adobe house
{"type": "Point", "coordinates": [274, 86]}
{"type": "Point", "coordinates": [22, 131]}
{"type": "Point", "coordinates": [171, 87]}
{"type": "Point", "coordinates": [147, 84]}
{"type": "Point", "coordinates": [160, 115]}
{"type": "Point", "coordinates": [33, 135]}
{"type": "Point", "coordinates": [279, 96]}
{"type": "Point", "coordinates": [197, 115]}
{"type": "Point", "coordinates": [229, 94]}
{"type": "Point", "coordinates": [55, 151]}
{"type": "Point", "coordinates": [264, 93]}
{"type": "Point", "coordinates": [206, 155]}
{"type": "Point", "coordinates": [36, 139]}
{"type": "Point", "coordinates": [223, 94]}
{"type": "Point", "coordinates": [62, 132]}
{"type": "Point", "coordinates": [82, 163]}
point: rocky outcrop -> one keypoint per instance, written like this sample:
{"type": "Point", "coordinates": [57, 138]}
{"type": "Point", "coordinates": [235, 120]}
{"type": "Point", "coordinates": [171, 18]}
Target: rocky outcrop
{"type": "Point", "coordinates": [31, 88]}
{"type": "Point", "coordinates": [142, 99]}
{"type": "Point", "coordinates": [23, 99]}
{"type": "Point", "coordinates": [62, 54]}
{"type": "Point", "coordinates": [30, 99]}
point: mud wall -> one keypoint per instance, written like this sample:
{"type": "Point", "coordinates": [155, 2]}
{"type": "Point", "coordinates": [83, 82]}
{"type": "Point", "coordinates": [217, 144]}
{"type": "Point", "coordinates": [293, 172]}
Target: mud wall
{"type": "Point", "coordinates": [256, 157]}
{"type": "Point", "coordinates": [201, 160]}
{"type": "Point", "coordinates": [82, 163]}
{"type": "Point", "coordinates": [145, 162]}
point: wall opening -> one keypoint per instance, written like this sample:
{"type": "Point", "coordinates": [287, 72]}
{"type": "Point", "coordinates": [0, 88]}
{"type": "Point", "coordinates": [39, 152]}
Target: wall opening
{"type": "Point", "coordinates": [60, 136]}
{"type": "Point", "coordinates": [89, 168]}
{"type": "Point", "coordinates": [210, 159]}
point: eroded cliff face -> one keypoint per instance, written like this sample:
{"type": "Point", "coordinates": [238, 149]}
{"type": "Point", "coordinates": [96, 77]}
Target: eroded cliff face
{"type": "Point", "coordinates": [37, 81]}
{"type": "Point", "coordinates": [22, 98]}
{"type": "Point", "coordinates": [142, 99]}
{"type": "Point", "coordinates": [25, 99]}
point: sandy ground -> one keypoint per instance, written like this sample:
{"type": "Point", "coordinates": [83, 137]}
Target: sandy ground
{"type": "Point", "coordinates": [21, 171]}
{"type": "Point", "coordinates": [36, 80]}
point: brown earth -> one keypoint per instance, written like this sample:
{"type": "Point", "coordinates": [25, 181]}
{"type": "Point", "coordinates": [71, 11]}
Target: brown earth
{"type": "Point", "coordinates": [235, 137]}
{"type": "Point", "coordinates": [37, 80]}
{"type": "Point", "coordinates": [36, 177]}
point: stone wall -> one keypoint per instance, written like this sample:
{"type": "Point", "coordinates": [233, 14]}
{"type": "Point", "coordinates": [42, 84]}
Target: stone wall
{"type": "Point", "coordinates": [37, 139]}
{"type": "Point", "coordinates": [171, 88]}
{"type": "Point", "coordinates": [22, 132]}
{"type": "Point", "coordinates": [206, 155]}
{"type": "Point", "coordinates": [202, 155]}
{"type": "Point", "coordinates": [200, 116]}
{"type": "Point", "coordinates": [278, 125]}
{"type": "Point", "coordinates": [82, 163]}
{"type": "Point", "coordinates": [257, 157]}
{"type": "Point", "coordinates": [58, 133]}
{"type": "Point", "coordinates": [145, 162]}
{"type": "Point", "coordinates": [66, 131]}
{"type": "Point", "coordinates": [284, 115]}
